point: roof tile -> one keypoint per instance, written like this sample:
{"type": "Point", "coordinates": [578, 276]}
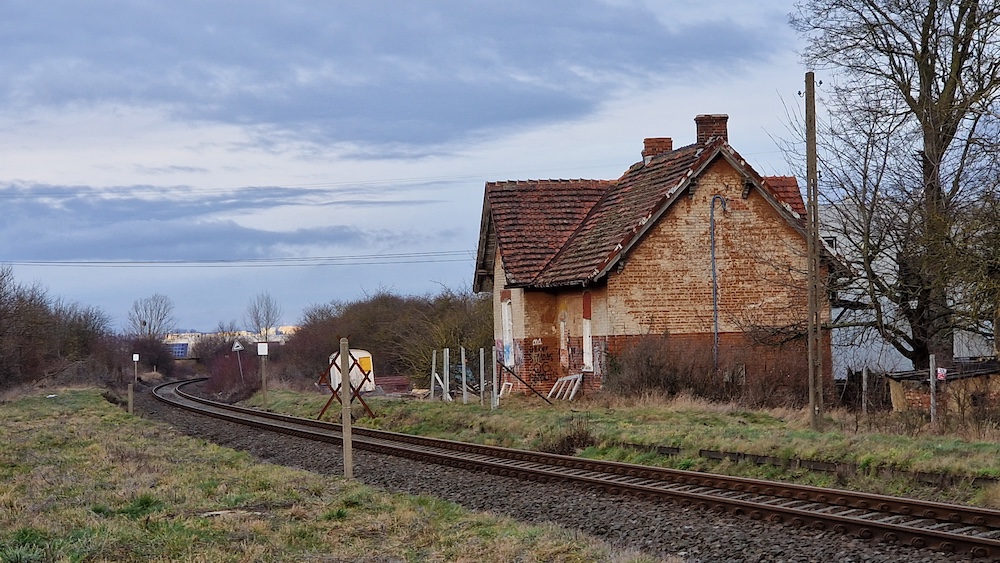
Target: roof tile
{"type": "Point", "coordinates": [566, 232]}
{"type": "Point", "coordinates": [534, 219]}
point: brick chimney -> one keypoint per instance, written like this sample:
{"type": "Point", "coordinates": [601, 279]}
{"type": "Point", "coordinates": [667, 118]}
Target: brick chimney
{"type": "Point", "coordinates": [712, 125]}
{"type": "Point", "coordinates": [653, 146]}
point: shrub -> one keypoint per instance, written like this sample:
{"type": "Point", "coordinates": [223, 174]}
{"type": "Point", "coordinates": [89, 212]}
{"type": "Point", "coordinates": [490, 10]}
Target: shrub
{"type": "Point", "coordinates": [154, 355]}
{"type": "Point", "coordinates": [663, 364]}
{"type": "Point", "coordinates": [647, 366]}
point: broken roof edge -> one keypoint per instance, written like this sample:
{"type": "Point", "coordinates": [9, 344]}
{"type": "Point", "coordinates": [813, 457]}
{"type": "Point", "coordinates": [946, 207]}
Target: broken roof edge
{"type": "Point", "coordinates": [485, 257]}
{"type": "Point", "coordinates": [714, 148]}
{"type": "Point", "coordinates": [620, 248]}
{"type": "Point", "coordinates": [487, 251]}
{"type": "Point", "coordinates": [536, 181]}
{"type": "Point", "coordinates": [707, 154]}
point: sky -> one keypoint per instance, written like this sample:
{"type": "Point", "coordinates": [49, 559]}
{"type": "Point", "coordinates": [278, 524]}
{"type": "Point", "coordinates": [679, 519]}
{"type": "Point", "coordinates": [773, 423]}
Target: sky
{"type": "Point", "coordinates": [324, 151]}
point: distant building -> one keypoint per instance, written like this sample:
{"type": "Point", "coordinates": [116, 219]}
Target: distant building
{"type": "Point", "coordinates": [181, 344]}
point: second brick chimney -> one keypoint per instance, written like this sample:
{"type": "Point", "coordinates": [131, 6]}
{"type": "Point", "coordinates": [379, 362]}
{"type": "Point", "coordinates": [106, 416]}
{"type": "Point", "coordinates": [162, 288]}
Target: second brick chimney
{"type": "Point", "coordinates": [712, 125]}
{"type": "Point", "coordinates": [652, 146]}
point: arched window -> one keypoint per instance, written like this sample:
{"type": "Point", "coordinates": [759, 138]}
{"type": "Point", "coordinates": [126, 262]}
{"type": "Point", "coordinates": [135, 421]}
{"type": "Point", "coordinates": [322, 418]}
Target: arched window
{"type": "Point", "coordinates": [507, 326]}
{"type": "Point", "coordinates": [588, 341]}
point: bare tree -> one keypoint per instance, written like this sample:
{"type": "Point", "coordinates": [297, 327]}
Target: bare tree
{"type": "Point", "coordinates": [907, 153]}
{"type": "Point", "coordinates": [40, 337]}
{"type": "Point", "coordinates": [151, 317]}
{"type": "Point", "coordinates": [980, 254]}
{"type": "Point", "coordinates": [262, 315]}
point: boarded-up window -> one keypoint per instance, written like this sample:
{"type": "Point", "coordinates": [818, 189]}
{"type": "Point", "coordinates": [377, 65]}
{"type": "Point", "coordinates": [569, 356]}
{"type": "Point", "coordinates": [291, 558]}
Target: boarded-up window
{"type": "Point", "coordinates": [563, 345]}
{"type": "Point", "coordinates": [507, 321]}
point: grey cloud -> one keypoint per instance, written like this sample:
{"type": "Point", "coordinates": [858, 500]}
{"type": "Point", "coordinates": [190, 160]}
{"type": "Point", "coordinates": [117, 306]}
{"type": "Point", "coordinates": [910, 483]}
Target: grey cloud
{"type": "Point", "coordinates": [60, 223]}
{"type": "Point", "coordinates": [170, 170]}
{"type": "Point", "coordinates": [370, 73]}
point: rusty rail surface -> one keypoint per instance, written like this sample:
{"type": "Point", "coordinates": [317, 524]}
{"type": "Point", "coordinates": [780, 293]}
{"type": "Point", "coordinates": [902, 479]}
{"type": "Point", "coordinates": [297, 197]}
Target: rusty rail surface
{"type": "Point", "coordinates": [923, 524]}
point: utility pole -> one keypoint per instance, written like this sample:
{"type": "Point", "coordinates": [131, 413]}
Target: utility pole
{"type": "Point", "coordinates": [814, 339]}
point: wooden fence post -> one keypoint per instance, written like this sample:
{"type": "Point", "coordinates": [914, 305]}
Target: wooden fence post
{"type": "Point", "coordinates": [345, 412]}
{"type": "Point", "coordinates": [864, 391]}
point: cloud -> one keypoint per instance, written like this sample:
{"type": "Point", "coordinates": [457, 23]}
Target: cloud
{"type": "Point", "coordinates": [368, 73]}
{"type": "Point", "coordinates": [149, 223]}
{"type": "Point", "coordinates": [195, 130]}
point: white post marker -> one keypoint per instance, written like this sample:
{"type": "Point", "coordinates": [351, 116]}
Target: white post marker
{"type": "Point", "coordinates": [345, 411]}
{"type": "Point", "coordinates": [262, 352]}
{"type": "Point", "coordinates": [135, 362]}
{"type": "Point", "coordinates": [237, 347]}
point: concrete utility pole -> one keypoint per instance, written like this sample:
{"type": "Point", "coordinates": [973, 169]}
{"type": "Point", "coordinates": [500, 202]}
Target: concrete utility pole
{"type": "Point", "coordinates": [715, 283]}
{"type": "Point", "coordinates": [814, 338]}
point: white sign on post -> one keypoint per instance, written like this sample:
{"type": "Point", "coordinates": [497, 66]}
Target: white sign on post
{"type": "Point", "coordinates": [262, 348]}
{"type": "Point", "coordinates": [135, 357]}
{"type": "Point", "coordinates": [237, 346]}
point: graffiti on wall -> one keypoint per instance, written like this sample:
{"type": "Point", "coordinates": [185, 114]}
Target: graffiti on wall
{"type": "Point", "coordinates": [541, 360]}
{"type": "Point", "coordinates": [511, 354]}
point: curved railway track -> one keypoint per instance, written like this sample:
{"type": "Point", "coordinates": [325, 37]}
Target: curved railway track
{"type": "Point", "coordinates": [922, 524]}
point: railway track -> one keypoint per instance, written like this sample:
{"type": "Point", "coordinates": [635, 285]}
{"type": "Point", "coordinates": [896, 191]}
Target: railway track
{"type": "Point", "coordinates": [922, 524]}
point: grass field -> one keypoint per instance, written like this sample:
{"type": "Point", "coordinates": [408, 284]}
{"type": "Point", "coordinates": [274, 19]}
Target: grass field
{"type": "Point", "coordinates": [603, 427]}
{"type": "Point", "coordinates": [81, 480]}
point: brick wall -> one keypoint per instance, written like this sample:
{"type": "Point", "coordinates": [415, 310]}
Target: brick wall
{"type": "Point", "coordinates": [666, 284]}
{"type": "Point", "coordinates": [665, 287]}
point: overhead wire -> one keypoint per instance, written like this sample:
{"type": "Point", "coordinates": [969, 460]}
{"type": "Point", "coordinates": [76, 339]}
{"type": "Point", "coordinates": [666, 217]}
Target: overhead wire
{"type": "Point", "coordinates": [302, 261]}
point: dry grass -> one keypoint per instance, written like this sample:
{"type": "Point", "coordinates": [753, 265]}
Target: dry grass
{"type": "Point", "coordinates": [82, 480]}
{"type": "Point", "coordinates": [880, 444]}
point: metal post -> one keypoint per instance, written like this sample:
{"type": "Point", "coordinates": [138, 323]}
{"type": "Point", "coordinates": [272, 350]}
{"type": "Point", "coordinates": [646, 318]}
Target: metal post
{"type": "Point", "coordinates": [933, 362]}
{"type": "Point", "coordinates": [715, 284]}
{"type": "Point", "coordinates": [345, 412]}
{"type": "Point", "coordinates": [263, 380]}
{"type": "Point", "coordinates": [131, 398]}
{"type": "Point", "coordinates": [465, 386]}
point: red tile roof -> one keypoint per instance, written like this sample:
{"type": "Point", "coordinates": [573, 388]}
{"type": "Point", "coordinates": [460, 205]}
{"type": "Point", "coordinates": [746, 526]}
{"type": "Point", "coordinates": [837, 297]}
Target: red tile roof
{"type": "Point", "coordinates": [570, 232]}
{"type": "Point", "coordinates": [618, 216]}
{"type": "Point", "coordinates": [534, 219]}
{"type": "Point", "coordinates": [786, 189]}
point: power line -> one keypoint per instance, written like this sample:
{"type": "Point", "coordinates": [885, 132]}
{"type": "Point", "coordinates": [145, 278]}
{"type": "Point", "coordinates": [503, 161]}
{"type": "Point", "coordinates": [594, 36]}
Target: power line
{"type": "Point", "coordinates": [310, 261]}
{"type": "Point", "coordinates": [18, 190]}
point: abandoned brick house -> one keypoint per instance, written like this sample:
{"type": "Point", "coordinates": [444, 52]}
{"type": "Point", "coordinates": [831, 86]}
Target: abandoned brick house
{"type": "Point", "coordinates": [690, 242]}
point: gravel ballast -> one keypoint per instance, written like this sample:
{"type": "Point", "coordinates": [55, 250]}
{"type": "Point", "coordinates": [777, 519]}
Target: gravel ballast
{"type": "Point", "coordinates": [657, 528]}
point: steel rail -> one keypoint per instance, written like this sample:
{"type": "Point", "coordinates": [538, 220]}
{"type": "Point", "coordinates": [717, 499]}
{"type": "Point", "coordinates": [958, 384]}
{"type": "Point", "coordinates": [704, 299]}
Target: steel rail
{"type": "Point", "coordinates": [922, 524]}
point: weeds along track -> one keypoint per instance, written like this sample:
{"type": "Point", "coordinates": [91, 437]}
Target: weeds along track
{"type": "Point", "coordinates": [937, 526]}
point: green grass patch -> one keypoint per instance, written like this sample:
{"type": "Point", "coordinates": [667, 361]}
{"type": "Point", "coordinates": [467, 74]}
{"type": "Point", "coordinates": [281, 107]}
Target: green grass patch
{"type": "Point", "coordinates": [602, 427]}
{"type": "Point", "coordinates": [84, 481]}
